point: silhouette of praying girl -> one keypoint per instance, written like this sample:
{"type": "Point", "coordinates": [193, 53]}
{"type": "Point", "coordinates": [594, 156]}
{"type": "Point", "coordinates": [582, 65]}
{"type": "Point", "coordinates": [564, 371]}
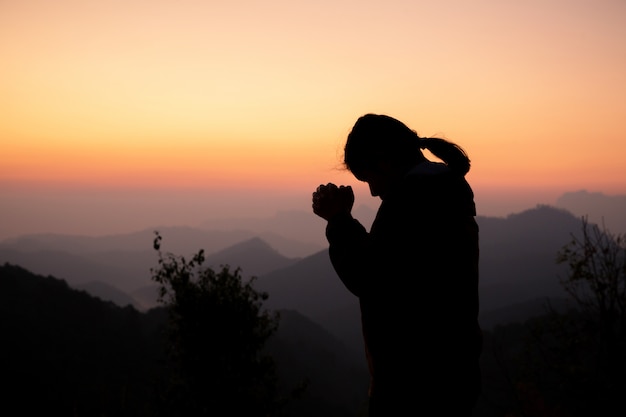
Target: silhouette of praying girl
{"type": "Point", "coordinates": [415, 272]}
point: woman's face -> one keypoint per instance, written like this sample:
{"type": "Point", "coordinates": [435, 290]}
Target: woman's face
{"type": "Point", "coordinates": [380, 180]}
{"type": "Point", "coordinates": [376, 184]}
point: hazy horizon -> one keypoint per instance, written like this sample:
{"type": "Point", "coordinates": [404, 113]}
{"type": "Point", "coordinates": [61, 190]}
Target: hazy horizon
{"type": "Point", "coordinates": [102, 212]}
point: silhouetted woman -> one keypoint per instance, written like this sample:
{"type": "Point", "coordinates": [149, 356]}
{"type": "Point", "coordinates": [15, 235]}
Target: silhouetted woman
{"type": "Point", "coordinates": [415, 272]}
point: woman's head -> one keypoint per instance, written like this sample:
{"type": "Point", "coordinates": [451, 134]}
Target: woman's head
{"type": "Point", "coordinates": [378, 139]}
{"type": "Point", "coordinates": [380, 142]}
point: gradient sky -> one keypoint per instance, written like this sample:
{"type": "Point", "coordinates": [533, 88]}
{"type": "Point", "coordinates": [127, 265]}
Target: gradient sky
{"type": "Point", "coordinates": [123, 113]}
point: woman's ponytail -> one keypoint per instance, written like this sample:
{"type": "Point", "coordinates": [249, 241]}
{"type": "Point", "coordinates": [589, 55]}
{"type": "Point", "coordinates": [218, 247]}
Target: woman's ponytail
{"type": "Point", "coordinates": [450, 153]}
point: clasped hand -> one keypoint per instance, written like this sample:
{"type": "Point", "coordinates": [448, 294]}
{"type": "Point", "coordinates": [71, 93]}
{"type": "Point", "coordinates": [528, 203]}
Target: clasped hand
{"type": "Point", "coordinates": [330, 200]}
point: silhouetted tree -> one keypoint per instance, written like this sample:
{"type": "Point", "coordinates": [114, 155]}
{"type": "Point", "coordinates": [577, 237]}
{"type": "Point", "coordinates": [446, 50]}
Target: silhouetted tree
{"type": "Point", "coordinates": [217, 330]}
{"type": "Point", "coordinates": [597, 282]}
{"type": "Point", "coordinates": [574, 362]}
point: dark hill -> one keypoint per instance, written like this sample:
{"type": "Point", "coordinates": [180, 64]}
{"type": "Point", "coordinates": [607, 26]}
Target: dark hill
{"type": "Point", "coordinates": [338, 379]}
{"type": "Point", "coordinates": [70, 353]}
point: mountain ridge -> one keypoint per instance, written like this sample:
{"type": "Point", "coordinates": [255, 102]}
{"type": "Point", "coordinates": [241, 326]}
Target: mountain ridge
{"type": "Point", "coordinates": [517, 264]}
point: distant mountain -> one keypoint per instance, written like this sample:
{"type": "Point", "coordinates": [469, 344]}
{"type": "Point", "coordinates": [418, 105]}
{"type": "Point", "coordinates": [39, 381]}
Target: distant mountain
{"type": "Point", "coordinates": [518, 255]}
{"type": "Point", "coordinates": [294, 225]}
{"type": "Point", "coordinates": [290, 247]}
{"type": "Point", "coordinates": [145, 297]}
{"type": "Point", "coordinates": [312, 287]}
{"type": "Point", "coordinates": [130, 270]}
{"type": "Point", "coordinates": [299, 226]}
{"type": "Point", "coordinates": [107, 292]}
{"type": "Point", "coordinates": [599, 207]}
{"type": "Point", "coordinates": [517, 264]}
{"type": "Point", "coordinates": [182, 240]}
{"type": "Point", "coordinates": [121, 261]}
{"type": "Point", "coordinates": [76, 269]}
{"type": "Point", "coordinates": [178, 239]}
{"type": "Point", "coordinates": [254, 257]}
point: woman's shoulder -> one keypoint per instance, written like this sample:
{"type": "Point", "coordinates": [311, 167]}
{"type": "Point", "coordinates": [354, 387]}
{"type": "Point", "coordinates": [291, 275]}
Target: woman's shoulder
{"type": "Point", "coordinates": [434, 188]}
{"type": "Point", "coordinates": [428, 168]}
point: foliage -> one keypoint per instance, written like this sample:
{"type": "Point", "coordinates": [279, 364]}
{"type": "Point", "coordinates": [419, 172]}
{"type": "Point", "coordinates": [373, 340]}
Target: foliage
{"type": "Point", "coordinates": [597, 282]}
{"type": "Point", "coordinates": [574, 362]}
{"type": "Point", "coordinates": [597, 278]}
{"type": "Point", "coordinates": [217, 330]}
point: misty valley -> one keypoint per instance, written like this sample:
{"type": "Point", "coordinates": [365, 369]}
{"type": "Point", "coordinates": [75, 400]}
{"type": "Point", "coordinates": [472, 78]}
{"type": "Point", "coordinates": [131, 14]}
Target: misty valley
{"type": "Point", "coordinates": [83, 329]}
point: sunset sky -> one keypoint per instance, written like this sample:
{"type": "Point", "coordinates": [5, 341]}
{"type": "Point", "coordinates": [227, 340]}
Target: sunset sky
{"type": "Point", "coordinates": [122, 114]}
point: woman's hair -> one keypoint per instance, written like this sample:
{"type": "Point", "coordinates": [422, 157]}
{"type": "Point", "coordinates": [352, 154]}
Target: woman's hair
{"type": "Point", "coordinates": [377, 137]}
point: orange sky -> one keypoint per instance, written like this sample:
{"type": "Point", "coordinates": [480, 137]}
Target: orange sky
{"type": "Point", "coordinates": [128, 96]}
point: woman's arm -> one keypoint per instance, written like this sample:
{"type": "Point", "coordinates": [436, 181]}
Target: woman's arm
{"type": "Point", "coordinates": [349, 250]}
